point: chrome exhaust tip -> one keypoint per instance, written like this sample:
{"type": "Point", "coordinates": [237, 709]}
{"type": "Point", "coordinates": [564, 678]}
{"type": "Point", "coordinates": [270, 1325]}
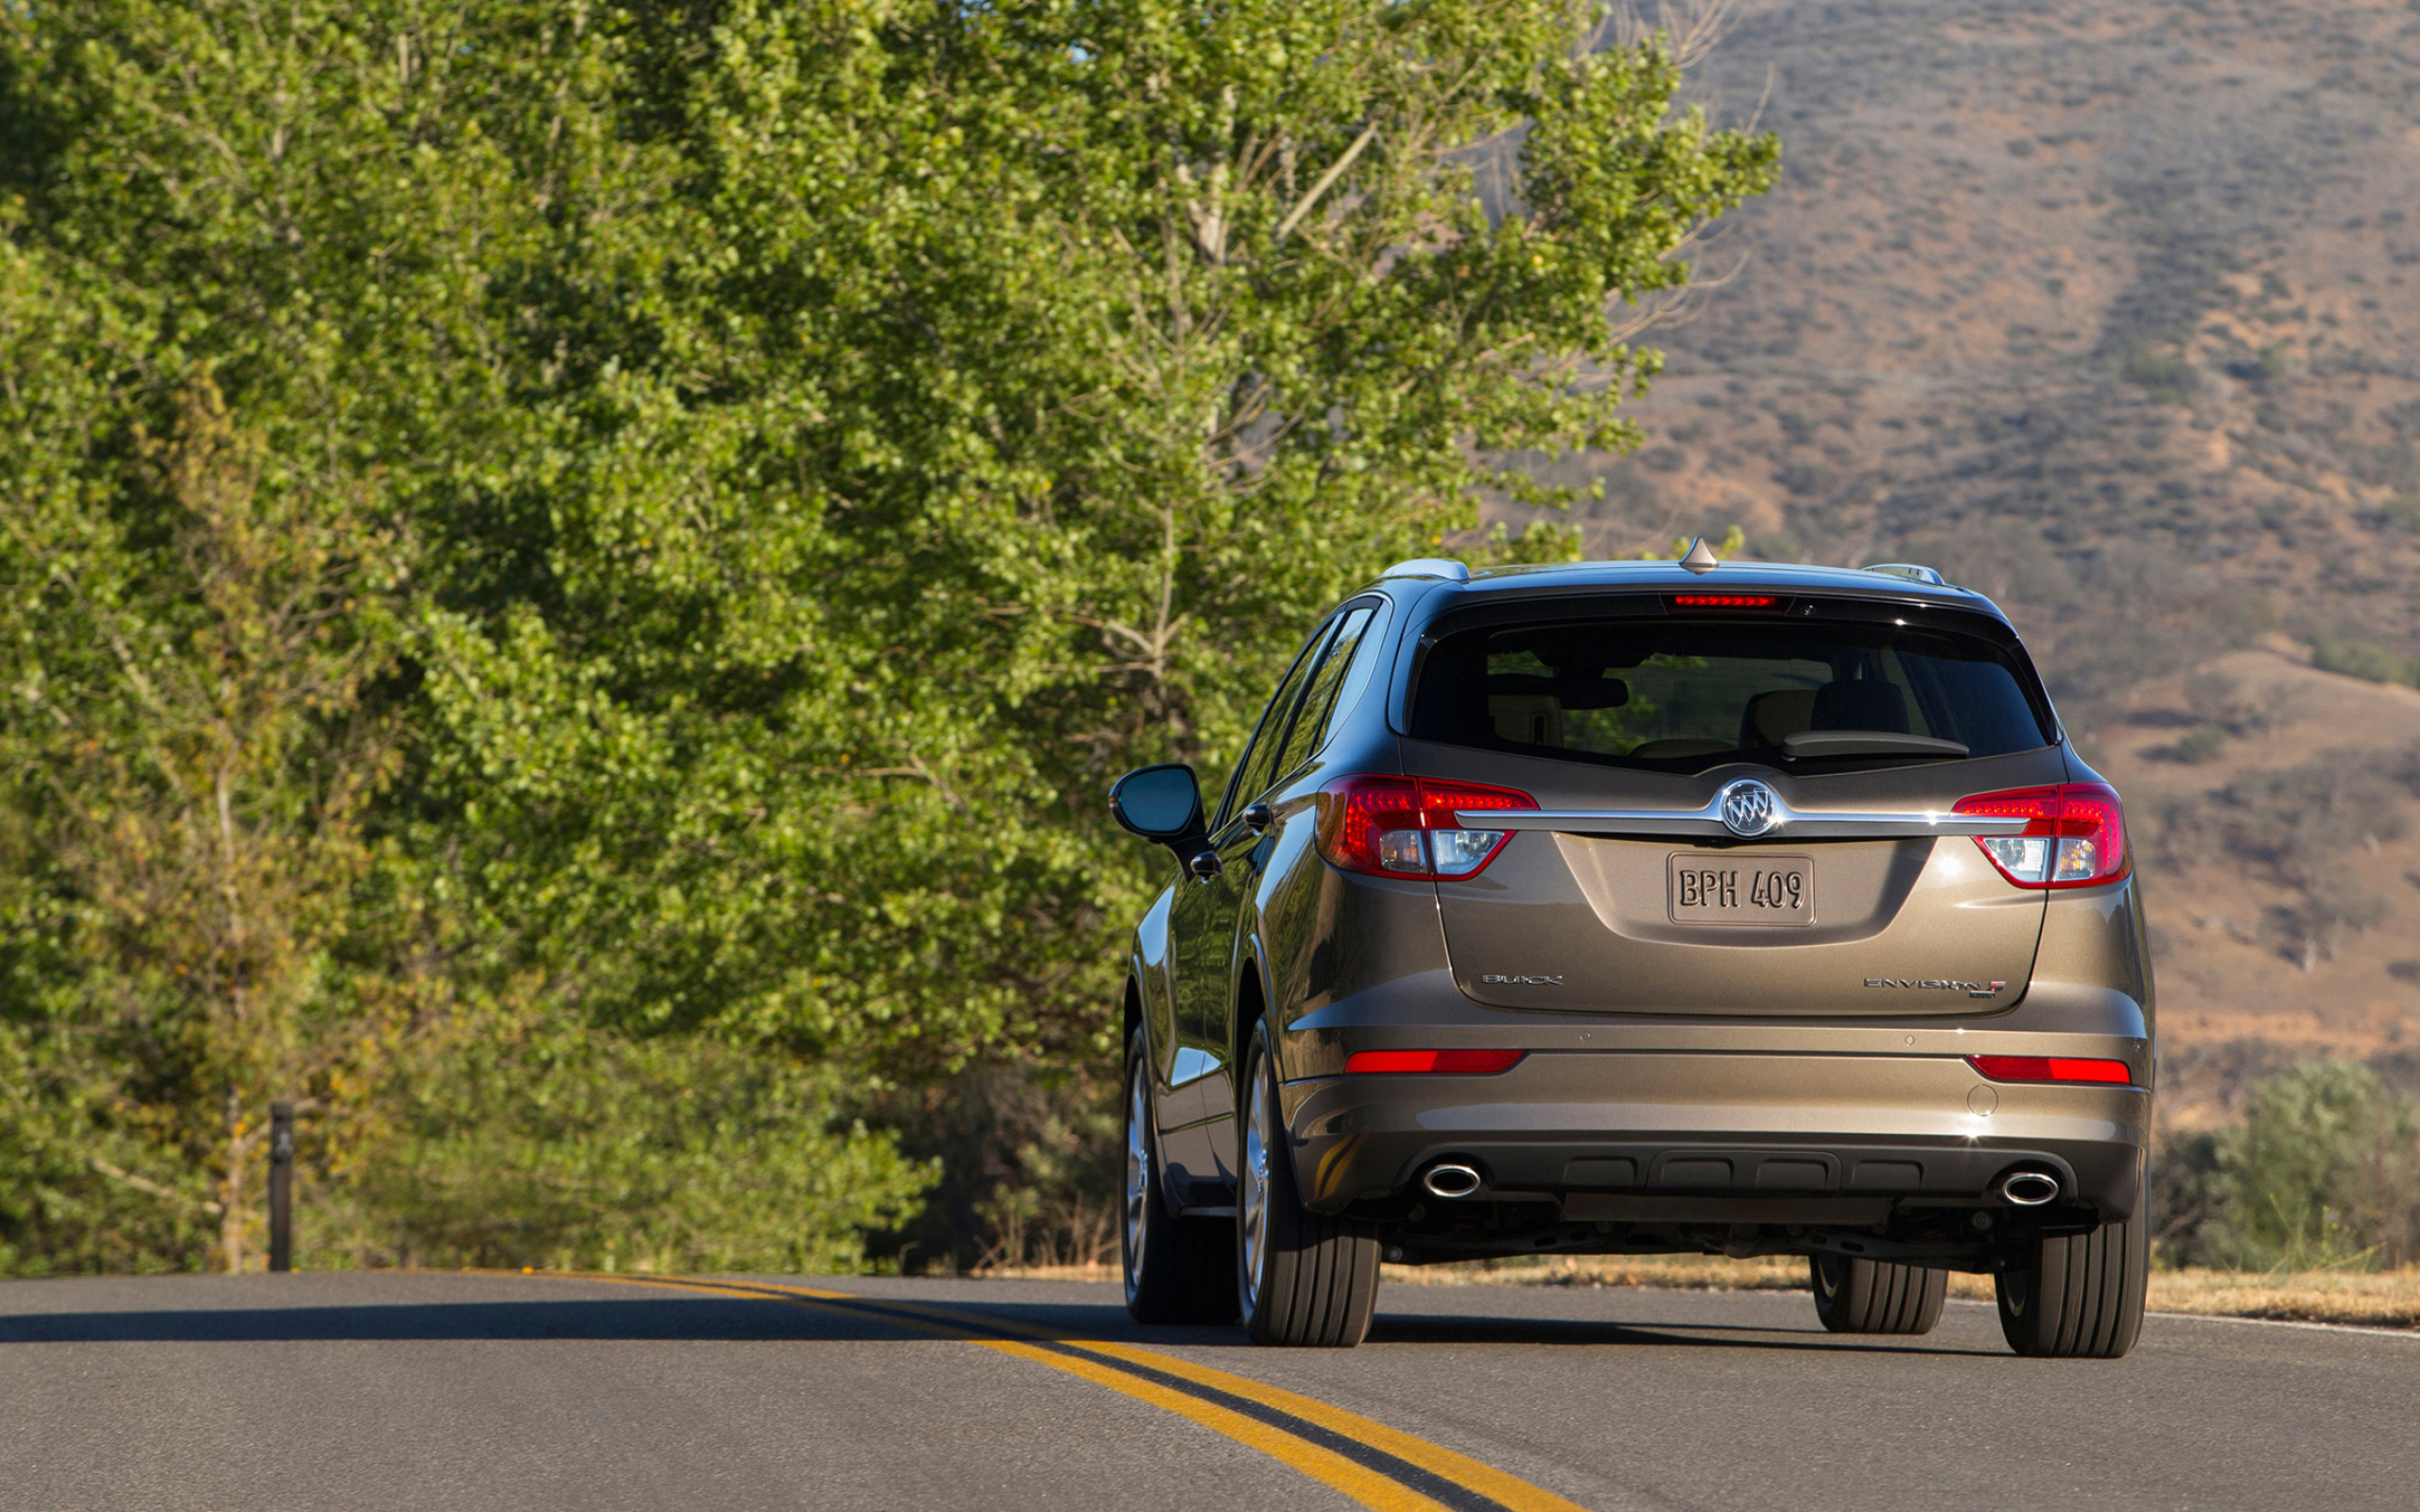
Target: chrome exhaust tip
{"type": "Point", "coordinates": [2028, 1188]}
{"type": "Point", "coordinates": [1450, 1179]}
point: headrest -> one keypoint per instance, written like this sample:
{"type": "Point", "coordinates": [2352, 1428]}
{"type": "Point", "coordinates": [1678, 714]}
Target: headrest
{"type": "Point", "coordinates": [1868, 705]}
{"type": "Point", "coordinates": [1773, 717]}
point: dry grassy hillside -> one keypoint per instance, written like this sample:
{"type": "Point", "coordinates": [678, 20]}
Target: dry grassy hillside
{"type": "Point", "coordinates": [2112, 310]}
{"type": "Point", "coordinates": [2268, 953]}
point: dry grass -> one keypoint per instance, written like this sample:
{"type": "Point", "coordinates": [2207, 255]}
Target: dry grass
{"type": "Point", "coordinates": [2383, 1299]}
{"type": "Point", "coordinates": [2376, 1299]}
{"type": "Point", "coordinates": [1044, 1273]}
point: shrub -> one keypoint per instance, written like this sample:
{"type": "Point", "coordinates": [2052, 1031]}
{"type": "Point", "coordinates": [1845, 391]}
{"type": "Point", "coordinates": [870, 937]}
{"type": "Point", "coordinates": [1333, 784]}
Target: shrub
{"type": "Point", "coordinates": [2164, 378]}
{"type": "Point", "coordinates": [542, 1143]}
{"type": "Point", "coordinates": [2201, 744]}
{"type": "Point", "coordinates": [2324, 1171]}
{"type": "Point", "coordinates": [2357, 658]}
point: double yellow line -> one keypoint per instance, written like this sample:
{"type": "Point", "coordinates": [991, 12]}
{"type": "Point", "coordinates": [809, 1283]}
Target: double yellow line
{"type": "Point", "coordinates": [1374, 1465]}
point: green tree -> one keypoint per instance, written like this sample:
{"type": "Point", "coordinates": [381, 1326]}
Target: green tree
{"type": "Point", "coordinates": [802, 452]}
{"type": "Point", "coordinates": [999, 397]}
{"type": "Point", "coordinates": [200, 764]}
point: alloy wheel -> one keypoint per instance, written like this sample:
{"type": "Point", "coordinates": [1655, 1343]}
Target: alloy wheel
{"type": "Point", "coordinates": [1138, 1182]}
{"type": "Point", "coordinates": [1253, 1205]}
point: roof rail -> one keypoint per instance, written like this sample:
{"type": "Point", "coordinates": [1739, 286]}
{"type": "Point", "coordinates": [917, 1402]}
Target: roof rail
{"type": "Point", "coordinates": [1453, 572]}
{"type": "Point", "coordinates": [1910, 571]}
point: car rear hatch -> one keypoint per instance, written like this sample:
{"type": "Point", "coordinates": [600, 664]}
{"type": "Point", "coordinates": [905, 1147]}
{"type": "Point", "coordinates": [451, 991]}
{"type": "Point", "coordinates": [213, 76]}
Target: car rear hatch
{"type": "Point", "coordinates": [1744, 811]}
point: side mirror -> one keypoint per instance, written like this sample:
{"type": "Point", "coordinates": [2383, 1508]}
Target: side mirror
{"type": "Point", "coordinates": [1162, 803]}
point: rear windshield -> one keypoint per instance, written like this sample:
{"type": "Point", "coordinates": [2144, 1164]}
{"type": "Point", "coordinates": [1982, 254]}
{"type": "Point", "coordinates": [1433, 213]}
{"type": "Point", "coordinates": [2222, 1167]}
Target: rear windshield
{"type": "Point", "coordinates": [1682, 695]}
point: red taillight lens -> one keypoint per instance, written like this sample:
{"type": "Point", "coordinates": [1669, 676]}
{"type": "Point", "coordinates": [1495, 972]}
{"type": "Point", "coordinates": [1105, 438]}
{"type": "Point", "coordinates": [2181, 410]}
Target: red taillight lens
{"type": "Point", "coordinates": [2076, 836]}
{"type": "Point", "coordinates": [1431, 1062]}
{"type": "Point", "coordinates": [1404, 826]}
{"type": "Point", "coordinates": [2051, 1068]}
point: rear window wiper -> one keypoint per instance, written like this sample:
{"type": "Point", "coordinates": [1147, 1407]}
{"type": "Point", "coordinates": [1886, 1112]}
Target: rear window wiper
{"type": "Point", "coordinates": [1816, 743]}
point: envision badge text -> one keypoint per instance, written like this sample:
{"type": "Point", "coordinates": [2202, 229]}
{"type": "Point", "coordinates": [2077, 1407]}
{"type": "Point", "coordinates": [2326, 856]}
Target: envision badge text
{"type": "Point", "coordinates": [1930, 984]}
{"type": "Point", "coordinates": [1522, 980]}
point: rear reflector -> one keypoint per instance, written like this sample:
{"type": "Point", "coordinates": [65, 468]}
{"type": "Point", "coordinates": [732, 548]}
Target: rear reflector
{"type": "Point", "coordinates": [2051, 1068]}
{"type": "Point", "coordinates": [2076, 836]}
{"type": "Point", "coordinates": [1432, 1062]}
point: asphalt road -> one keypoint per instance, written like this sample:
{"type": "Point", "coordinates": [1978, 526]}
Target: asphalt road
{"type": "Point", "coordinates": [435, 1390]}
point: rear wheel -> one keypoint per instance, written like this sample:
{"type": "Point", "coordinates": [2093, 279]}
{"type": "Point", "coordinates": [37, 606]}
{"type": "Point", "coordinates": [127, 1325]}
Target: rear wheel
{"type": "Point", "coordinates": [2079, 1296]}
{"type": "Point", "coordinates": [1304, 1279]}
{"type": "Point", "coordinates": [1854, 1295]}
{"type": "Point", "coordinates": [1178, 1270]}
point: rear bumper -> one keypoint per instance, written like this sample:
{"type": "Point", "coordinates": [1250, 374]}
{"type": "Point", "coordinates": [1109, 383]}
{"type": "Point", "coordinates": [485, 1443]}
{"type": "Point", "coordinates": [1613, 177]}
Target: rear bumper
{"type": "Point", "coordinates": [1817, 1139]}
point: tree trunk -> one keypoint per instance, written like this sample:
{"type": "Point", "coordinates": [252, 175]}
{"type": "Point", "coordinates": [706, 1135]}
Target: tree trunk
{"type": "Point", "coordinates": [231, 1190]}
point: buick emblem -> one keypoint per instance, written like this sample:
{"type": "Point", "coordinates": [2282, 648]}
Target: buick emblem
{"type": "Point", "coordinates": [1749, 807]}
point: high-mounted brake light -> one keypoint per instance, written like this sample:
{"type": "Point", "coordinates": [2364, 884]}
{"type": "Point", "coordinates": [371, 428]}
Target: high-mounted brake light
{"type": "Point", "coordinates": [1713, 601]}
{"type": "Point", "coordinates": [1431, 1062]}
{"type": "Point", "coordinates": [1404, 826]}
{"type": "Point", "coordinates": [2052, 1068]}
{"type": "Point", "coordinates": [2076, 836]}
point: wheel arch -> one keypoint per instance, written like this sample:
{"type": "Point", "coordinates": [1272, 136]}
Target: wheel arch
{"type": "Point", "coordinates": [1251, 1007]}
{"type": "Point", "coordinates": [1150, 995]}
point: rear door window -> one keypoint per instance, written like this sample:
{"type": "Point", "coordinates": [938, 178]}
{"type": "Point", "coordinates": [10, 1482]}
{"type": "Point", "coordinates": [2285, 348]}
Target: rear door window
{"type": "Point", "coordinates": [1311, 725]}
{"type": "Point", "coordinates": [1683, 695]}
{"type": "Point", "coordinates": [1268, 739]}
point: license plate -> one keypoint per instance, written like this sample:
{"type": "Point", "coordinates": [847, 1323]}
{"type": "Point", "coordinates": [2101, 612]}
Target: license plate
{"type": "Point", "coordinates": [1740, 888]}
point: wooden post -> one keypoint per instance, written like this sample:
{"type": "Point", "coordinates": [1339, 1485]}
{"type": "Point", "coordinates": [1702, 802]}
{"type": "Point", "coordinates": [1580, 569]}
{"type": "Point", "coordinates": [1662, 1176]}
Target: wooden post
{"type": "Point", "coordinates": [281, 1186]}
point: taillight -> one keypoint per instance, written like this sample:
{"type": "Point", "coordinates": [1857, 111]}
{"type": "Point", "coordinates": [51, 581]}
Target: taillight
{"type": "Point", "coordinates": [2075, 837]}
{"type": "Point", "coordinates": [1404, 826]}
{"type": "Point", "coordinates": [1431, 1062]}
{"type": "Point", "coordinates": [2052, 1068]}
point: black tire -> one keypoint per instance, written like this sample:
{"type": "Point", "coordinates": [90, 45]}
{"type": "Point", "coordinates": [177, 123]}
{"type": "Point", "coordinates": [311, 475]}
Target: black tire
{"type": "Point", "coordinates": [1854, 1295]}
{"type": "Point", "coordinates": [1302, 1279]}
{"type": "Point", "coordinates": [1178, 1270]}
{"type": "Point", "coordinates": [2076, 1298]}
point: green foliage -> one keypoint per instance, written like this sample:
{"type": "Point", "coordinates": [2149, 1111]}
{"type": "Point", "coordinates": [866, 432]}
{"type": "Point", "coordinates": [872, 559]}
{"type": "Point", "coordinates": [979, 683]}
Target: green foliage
{"type": "Point", "coordinates": [1540, 540]}
{"type": "Point", "coordinates": [2366, 659]}
{"type": "Point", "coordinates": [76, 1197]}
{"type": "Point", "coordinates": [2324, 1170]}
{"type": "Point", "coordinates": [196, 762]}
{"type": "Point", "coordinates": [2164, 377]}
{"type": "Point", "coordinates": [530, 1142]}
{"type": "Point", "coordinates": [671, 518]}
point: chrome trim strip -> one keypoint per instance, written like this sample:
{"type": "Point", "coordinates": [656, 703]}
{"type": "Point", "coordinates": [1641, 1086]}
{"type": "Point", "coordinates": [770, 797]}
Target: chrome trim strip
{"type": "Point", "coordinates": [1789, 823]}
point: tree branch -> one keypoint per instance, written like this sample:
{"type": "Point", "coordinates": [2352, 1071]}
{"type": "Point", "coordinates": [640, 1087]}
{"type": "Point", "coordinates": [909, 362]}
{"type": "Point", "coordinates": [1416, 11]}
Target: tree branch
{"type": "Point", "coordinates": [1327, 180]}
